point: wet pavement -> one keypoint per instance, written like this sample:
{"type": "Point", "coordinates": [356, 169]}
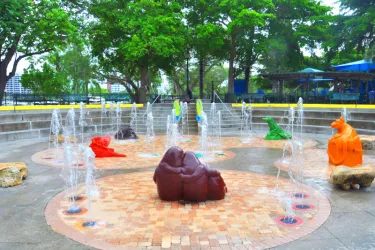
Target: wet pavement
{"type": "Point", "coordinates": [351, 224]}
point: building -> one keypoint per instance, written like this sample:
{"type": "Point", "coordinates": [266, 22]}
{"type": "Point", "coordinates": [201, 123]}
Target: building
{"type": "Point", "coordinates": [116, 88]}
{"type": "Point", "coordinates": [14, 86]}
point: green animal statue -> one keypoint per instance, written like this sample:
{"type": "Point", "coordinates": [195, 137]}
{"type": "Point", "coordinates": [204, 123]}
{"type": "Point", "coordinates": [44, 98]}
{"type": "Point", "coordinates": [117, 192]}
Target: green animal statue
{"type": "Point", "coordinates": [276, 133]}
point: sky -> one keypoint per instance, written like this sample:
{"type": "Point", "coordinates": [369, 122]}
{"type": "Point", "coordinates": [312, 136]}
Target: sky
{"type": "Point", "coordinates": [333, 3]}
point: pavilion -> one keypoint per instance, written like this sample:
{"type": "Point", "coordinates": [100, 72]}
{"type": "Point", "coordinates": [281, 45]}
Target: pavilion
{"type": "Point", "coordinates": [310, 75]}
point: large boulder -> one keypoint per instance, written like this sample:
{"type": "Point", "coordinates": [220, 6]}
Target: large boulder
{"type": "Point", "coordinates": [181, 176]}
{"type": "Point", "coordinates": [346, 177]}
{"type": "Point", "coordinates": [125, 133]}
{"type": "Point", "coordinates": [368, 142]}
{"type": "Point", "coordinates": [12, 174]}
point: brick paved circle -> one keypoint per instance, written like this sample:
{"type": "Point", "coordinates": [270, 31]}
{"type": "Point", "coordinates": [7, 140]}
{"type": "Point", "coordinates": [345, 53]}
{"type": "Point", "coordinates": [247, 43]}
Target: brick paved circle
{"type": "Point", "coordinates": [137, 154]}
{"type": "Point", "coordinates": [135, 149]}
{"type": "Point", "coordinates": [130, 214]}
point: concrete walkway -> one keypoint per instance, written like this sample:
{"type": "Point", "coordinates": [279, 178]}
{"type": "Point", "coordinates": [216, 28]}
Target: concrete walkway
{"type": "Point", "coordinates": [351, 224]}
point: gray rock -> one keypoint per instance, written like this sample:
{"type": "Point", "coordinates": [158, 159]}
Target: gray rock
{"type": "Point", "coordinates": [347, 177]}
{"type": "Point", "coordinates": [12, 174]}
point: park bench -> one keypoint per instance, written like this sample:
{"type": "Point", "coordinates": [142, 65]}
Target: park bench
{"type": "Point", "coordinates": [32, 98]}
{"type": "Point", "coordinates": [345, 97]}
{"type": "Point", "coordinates": [253, 97]}
{"type": "Point", "coordinates": [75, 98]}
{"type": "Point", "coordinates": [272, 98]}
{"type": "Point", "coordinates": [118, 98]}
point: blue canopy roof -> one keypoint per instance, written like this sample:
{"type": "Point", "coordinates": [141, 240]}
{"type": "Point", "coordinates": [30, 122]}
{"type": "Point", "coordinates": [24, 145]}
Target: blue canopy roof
{"type": "Point", "coordinates": [308, 70]}
{"type": "Point", "coordinates": [362, 65]}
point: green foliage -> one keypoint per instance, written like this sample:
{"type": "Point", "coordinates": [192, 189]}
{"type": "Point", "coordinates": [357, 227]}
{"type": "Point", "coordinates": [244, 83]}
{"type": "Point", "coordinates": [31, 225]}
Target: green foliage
{"type": "Point", "coordinates": [73, 71]}
{"type": "Point", "coordinates": [134, 43]}
{"type": "Point", "coordinates": [218, 74]}
{"type": "Point", "coordinates": [96, 90]}
{"type": "Point", "coordinates": [243, 20]}
{"type": "Point", "coordinates": [45, 81]}
{"type": "Point", "coordinates": [298, 24]}
{"type": "Point", "coordinates": [259, 82]}
{"type": "Point", "coordinates": [357, 25]}
{"type": "Point", "coordinates": [136, 39]}
{"type": "Point", "coordinates": [345, 56]}
{"type": "Point", "coordinates": [34, 26]}
{"type": "Point", "coordinates": [29, 28]}
{"type": "Point", "coordinates": [80, 69]}
{"type": "Point", "coordinates": [206, 33]}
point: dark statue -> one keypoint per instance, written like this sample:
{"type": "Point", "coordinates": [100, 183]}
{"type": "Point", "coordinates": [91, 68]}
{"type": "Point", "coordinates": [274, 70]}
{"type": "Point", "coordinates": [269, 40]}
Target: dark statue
{"type": "Point", "coordinates": [125, 133]}
{"type": "Point", "coordinates": [181, 176]}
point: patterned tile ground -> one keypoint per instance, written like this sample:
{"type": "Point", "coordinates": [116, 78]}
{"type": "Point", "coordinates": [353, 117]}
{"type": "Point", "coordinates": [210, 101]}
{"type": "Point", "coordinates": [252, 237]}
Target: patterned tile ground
{"type": "Point", "coordinates": [138, 152]}
{"type": "Point", "coordinates": [131, 215]}
{"type": "Point", "coordinates": [315, 163]}
{"type": "Point", "coordinates": [260, 142]}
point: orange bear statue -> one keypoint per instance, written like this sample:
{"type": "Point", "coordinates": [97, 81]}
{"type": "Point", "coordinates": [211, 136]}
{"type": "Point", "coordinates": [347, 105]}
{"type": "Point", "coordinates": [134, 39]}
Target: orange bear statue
{"type": "Point", "coordinates": [345, 147]}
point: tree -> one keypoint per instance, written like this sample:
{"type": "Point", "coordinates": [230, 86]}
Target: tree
{"type": "Point", "coordinates": [238, 17]}
{"type": "Point", "coordinates": [47, 81]}
{"type": "Point", "coordinates": [357, 26]}
{"type": "Point", "coordinates": [216, 73]}
{"type": "Point", "coordinates": [30, 28]}
{"type": "Point", "coordinates": [80, 69]}
{"type": "Point", "coordinates": [298, 24]}
{"type": "Point", "coordinates": [219, 76]}
{"type": "Point", "coordinates": [70, 71]}
{"type": "Point", "coordinates": [132, 39]}
{"type": "Point", "coordinates": [346, 56]}
{"type": "Point", "coordinates": [207, 34]}
{"type": "Point", "coordinates": [253, 45]}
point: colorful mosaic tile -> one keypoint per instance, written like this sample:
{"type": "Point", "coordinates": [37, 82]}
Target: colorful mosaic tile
{"type": "Point", "coordinates": [130, 214]}
{"type": "Point", "coordinates": [141, 155]}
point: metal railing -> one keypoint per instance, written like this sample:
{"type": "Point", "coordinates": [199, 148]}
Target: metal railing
{"type": "Point", "coordinates": [355, 98]}
{"type": "Point", "coordinates": [91, 98]}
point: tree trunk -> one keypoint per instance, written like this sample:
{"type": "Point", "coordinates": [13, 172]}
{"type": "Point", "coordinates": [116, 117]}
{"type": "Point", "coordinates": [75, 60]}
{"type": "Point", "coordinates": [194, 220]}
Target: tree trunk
{"type": "Point", "coordinates": [3, 82]}
{"type": "Point", "coordinates": [3, 70]}
{"type": "Point", "coordinates": [87, 92]}
{"type": "Point", "coordinates": [201, 76]}
{"type": "Point", "coordinates": [132, 95]}
{"type": "Point", "coordinates": [247, 79]}
{"type": "Point", "coordinates": [144, 75]}
{"type": "Point", "coordinates": [176, 87]}
{"type": "Point", "coordinates": [143, 90]}
{"type": "Point", "coordinates": [231, 74]}
{"type": "Point", "coordinates": [76, 87]}
{"type": "Point", "coordinates": [232, 56]}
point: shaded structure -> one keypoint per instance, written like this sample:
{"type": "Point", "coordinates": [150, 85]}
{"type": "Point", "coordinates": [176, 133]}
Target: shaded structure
{"type": "Point", "coordinates": [337, 77]}
{"type": "Point", "coordinates": [361, 66]}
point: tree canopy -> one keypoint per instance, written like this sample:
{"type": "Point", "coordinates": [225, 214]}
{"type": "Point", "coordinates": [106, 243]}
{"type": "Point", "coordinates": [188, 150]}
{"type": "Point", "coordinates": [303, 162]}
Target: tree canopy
{"type": "Point", "coordinates": [135, 39]}
{"type": "Point", "coordinates": [29, 28]}
{"type": "Point", "coordinates": [135, 43]}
